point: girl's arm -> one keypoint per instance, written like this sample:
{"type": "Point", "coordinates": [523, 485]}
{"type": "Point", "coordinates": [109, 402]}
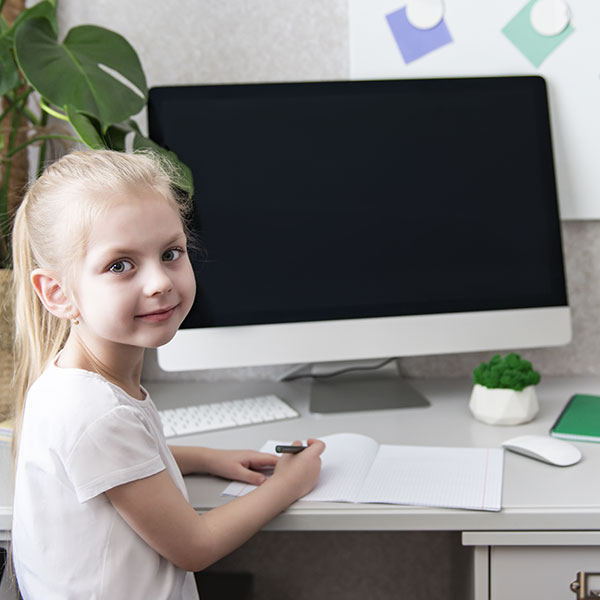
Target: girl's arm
{"type": "Point", "coordinates": [242, 465]}
{"type": "Point", "coordinates": [191, 459]}
{"type": "Point", "coordinates": [156, 509]}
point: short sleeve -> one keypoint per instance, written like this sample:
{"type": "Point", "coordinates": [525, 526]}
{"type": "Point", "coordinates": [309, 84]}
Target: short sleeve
{"type": "Point", "coordinates": [116, 448]}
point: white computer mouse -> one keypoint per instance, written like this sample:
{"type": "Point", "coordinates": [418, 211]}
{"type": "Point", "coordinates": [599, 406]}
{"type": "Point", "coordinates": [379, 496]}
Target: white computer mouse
{"type": "Point", "coordinates": [545, 448]}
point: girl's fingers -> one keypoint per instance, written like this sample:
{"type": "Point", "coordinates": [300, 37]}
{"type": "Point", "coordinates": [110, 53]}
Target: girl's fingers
{"type": "Point", "coordinates": [318, 444]}
{"type": "Point", "coordinates": [253, 477]}
{"type": "Point", "coordinates": [262, 459]}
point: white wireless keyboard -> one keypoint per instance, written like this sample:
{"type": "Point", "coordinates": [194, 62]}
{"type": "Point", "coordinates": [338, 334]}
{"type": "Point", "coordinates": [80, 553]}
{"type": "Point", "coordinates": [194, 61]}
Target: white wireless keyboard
{"type": "Point", "coordinates": [224, 415]}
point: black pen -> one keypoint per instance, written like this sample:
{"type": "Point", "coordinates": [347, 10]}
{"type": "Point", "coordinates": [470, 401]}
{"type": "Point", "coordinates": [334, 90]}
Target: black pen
{"type": "Point", "coordinates": [289, 449]}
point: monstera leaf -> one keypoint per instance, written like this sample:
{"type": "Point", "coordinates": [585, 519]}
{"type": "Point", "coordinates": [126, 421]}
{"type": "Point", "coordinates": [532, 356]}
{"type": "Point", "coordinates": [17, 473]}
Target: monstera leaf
{"type": "Point", "coordinates": [85, 128]}
{"type": "Point", "coordinates": [76, 72]}
{"type": "Point", "coordinates": [46, 9]}
{"type": "Point", "coordinates": [9, 72]}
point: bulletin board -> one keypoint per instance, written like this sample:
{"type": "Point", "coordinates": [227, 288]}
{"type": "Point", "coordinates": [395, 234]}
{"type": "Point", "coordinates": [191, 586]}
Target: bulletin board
{"type": "Point", "coordinates": [494, 38]}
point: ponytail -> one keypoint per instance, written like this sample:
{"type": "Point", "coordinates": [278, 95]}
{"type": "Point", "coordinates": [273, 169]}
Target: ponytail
{"type": "Point", "coordinates": [38, 334]}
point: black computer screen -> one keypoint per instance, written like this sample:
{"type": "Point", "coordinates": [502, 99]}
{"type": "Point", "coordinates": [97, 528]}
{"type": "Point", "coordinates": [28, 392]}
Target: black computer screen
{"type": "Point", "coordinates": [358, 199]}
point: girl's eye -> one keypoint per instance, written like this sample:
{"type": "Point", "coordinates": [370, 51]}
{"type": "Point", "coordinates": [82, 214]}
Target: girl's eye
{"type": "Point", "coordinates": [172, 254]}
{"type": "Point", "coordinates": [121, 266]}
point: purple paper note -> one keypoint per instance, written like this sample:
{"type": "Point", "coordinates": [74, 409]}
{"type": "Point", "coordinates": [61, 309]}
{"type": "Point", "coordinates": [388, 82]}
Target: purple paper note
{"type": "Point", "coordinates": [412, 42]}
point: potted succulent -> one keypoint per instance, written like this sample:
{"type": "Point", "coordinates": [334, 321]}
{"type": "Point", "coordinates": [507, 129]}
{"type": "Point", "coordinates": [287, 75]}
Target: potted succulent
{"type": "Point", "coordinates": [504, 392]}
{"type": "Point", "coordinates": [91, 82]}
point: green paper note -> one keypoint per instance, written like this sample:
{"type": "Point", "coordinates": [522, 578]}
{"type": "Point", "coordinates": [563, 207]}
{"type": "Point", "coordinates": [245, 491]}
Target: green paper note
{"type": "Point", "coordinates": [533, 46]}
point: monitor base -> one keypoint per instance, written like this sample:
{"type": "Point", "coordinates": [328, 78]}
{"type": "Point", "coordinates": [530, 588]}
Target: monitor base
{"type": "Point", "coordinates": [363, 392]}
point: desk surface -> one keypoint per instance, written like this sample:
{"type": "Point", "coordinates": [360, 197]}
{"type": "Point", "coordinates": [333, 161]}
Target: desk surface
{"type": "Point", "coordinates": [536, 496]}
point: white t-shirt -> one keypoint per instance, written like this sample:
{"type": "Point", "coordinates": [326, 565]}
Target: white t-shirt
{"type": "Point", "coordinates": [81, 436]}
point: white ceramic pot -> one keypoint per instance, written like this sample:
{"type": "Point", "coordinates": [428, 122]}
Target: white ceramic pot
{"type": "Point", "coordinates": [503, 407]}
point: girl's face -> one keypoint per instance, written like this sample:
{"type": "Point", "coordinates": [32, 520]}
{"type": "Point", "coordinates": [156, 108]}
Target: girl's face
{"type": "Point", "coordinates": [135, 283]}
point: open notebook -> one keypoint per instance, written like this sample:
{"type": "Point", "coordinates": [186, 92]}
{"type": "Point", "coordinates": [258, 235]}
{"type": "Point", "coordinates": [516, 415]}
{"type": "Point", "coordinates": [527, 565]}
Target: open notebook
{"type": "Point", "coordinates": [358, 469]}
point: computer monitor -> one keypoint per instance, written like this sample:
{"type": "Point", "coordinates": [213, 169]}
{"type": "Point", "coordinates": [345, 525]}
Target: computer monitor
{"type": "Point", "coordinates": [363, 219]}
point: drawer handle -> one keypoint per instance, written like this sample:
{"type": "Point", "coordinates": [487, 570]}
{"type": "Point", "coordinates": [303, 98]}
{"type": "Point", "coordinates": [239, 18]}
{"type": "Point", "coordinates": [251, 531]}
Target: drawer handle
{"type": "Point", "coordinates": [580, 586]}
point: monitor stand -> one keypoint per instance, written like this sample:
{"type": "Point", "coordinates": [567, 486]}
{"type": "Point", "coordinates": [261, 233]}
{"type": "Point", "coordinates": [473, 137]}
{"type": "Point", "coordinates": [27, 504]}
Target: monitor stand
{"type": "Point", "coordinates": [360, 390]}
{"type": "Point", "coordinates": [363, 392]}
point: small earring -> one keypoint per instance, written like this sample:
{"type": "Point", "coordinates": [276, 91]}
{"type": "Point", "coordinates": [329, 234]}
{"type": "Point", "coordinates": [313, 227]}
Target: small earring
{"type": "Point", "coordinates": [75, 321]}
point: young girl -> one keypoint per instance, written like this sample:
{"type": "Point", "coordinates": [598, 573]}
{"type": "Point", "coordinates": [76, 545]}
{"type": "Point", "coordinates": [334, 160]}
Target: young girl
{"type": "Point", "coordinates": [100, 508]}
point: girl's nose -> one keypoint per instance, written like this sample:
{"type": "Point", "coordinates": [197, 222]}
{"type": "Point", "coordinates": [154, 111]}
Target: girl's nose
{"type": "Point", "coordinates": [158, 282]}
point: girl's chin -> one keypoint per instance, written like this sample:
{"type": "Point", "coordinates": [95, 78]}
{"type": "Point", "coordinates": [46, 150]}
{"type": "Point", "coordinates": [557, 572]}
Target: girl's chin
{"type": "Point", "coordinates": [158, 341]}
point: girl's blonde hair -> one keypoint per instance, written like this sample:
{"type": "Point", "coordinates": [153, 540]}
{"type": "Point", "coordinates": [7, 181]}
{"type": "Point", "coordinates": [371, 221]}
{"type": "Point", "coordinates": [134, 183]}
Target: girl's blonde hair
{"type": "Point", "coordinates": [50, 231]}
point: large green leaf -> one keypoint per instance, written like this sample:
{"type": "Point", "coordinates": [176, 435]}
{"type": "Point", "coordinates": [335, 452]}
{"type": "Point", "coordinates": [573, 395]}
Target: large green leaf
{"type": "Point", "coordinates": [69, 73]}
{"type": "Point", "coordinates": [89, 130]}
{"type": "Point", "coordinates": [84, 128]}
{"type": "Point", "coordinates": [115, 136]}
{"type": "Point", "coordinates": [45, 9]}
{"type": "Point", "coordinates": [9, 72]}
{"type": "Point", "coordinates": [4, 26]}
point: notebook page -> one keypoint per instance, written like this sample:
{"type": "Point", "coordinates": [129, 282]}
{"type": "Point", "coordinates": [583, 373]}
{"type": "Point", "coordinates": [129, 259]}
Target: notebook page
{"type": "Point", "coordinates": [433, 476]}
{"type": "Point", "coordinates": [345, 464]}
{"type": "Point", "coordinates": [345, 461]}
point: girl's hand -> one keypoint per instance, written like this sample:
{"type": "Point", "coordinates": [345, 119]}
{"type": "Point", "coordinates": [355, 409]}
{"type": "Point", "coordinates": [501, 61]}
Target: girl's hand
{"type": "Point", "coordinates": [301, 471]}
{"type": "Point", "coordinates": [241, 465]}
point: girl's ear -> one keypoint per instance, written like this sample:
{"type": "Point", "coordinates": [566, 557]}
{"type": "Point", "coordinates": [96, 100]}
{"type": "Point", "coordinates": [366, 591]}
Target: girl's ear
{"type": "Point", "coordinates": [52, 295]}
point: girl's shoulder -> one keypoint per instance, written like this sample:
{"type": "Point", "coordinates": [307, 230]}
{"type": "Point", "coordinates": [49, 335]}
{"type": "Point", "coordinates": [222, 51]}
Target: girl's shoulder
{"type": "Point", "coordinates": [70, 398]}
{"type": "Point", "coordinates": [63, 405]}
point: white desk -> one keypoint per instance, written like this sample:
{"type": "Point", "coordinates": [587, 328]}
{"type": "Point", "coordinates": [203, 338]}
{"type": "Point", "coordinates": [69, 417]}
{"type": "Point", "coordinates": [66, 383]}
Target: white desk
{"type": "Point", "coordinates": [551, 514]}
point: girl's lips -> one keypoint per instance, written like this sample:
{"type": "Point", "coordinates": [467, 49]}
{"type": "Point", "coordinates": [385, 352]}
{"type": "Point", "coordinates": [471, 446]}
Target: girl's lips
{"type": "Point", "coordinates": [158, 316]}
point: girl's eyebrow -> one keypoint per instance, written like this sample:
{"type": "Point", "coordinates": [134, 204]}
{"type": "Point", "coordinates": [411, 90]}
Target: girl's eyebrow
{"type": "Point", "coordinates": [112, 251]}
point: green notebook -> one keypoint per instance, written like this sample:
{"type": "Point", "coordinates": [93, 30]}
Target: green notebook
{"type": "Point", "coordinates": [579, 420]}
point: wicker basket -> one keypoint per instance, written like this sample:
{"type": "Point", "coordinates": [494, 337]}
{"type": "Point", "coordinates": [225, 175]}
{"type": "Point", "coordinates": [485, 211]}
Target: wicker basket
{"type": "Point", "coordinates": [6, 345]}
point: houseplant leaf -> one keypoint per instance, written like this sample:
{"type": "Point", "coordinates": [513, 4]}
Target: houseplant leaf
{"type": "Point", "coordinates": [45, 9]}
{"type": "Point", "coordinates": [9, 73]}
{"type": "Point", "coordinates": [115, 136]}
{"type": "Point", "coordinates": [69, 74]}
{"type": "Point", "coordinates": [84, 128]}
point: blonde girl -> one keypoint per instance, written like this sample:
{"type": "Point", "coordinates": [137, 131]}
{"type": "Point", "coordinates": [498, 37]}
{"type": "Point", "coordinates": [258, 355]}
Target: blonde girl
{"type": "Point", "coordinates": [100, 509]}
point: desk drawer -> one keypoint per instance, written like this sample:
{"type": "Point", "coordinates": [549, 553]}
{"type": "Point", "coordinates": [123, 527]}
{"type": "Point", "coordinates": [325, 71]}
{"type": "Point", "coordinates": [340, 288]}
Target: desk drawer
{"type": "Point", "coordinates": [540, 572]}
{"type": "Point", "coordinates": [528, 565]}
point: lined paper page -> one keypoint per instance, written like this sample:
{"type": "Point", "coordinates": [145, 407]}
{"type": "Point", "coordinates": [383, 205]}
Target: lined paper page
{"type": "Point", "coordinates": [434, 476]}
{"type": "Point", "coordinates": [346, 461]}
{"type": "Point", "coordinates": [345, 464]}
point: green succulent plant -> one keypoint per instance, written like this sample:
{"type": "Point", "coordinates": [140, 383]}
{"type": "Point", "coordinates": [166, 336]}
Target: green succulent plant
{"type": "Point", "coordinates": [511, 372]}
{"type": "Point", "coordinates": [92, 79]}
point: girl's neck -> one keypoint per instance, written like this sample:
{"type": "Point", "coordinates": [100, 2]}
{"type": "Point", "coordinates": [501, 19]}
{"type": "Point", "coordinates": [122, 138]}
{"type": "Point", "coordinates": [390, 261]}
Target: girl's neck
{"type": "Point", "coordinates": [121, 366]}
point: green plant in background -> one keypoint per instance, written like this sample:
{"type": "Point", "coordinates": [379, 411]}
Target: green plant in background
{"type": "Point", "coordinates": [511, 372]}
{"type": "Point", "coordinates": [92, 79]}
